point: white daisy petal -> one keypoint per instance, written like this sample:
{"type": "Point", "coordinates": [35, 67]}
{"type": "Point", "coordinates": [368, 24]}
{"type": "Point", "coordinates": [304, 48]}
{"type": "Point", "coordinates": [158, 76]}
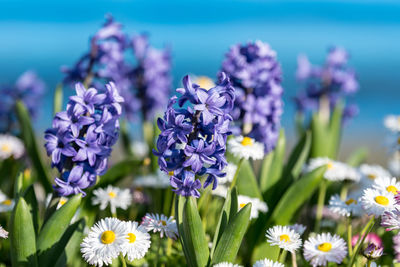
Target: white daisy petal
{"type": "Point", "coordinates": [284, 237]}
{"type": "Point", "coordinates": [161, 180]}
{"type": "Point", "coordinates": [371, 172]}
{"type": "Point", "coordinates": [298, 228]}
{"type": "Point", "coordinates": [392, 123]}
{"type": "Point", "coordinates": [267, 263]}
{"type": "Point", "coordinates": [324, 248]}
{"type": "Point", "coordinates": [160, 223]}
{"type": "Point", "coordinates": [387, 184]}
{"type": "Point", "coordinates": [11, 146]}
{"type": "Point", "coordinates": [113, 196]}
{"type": "Point", "coordinates": [246, 147]}
{"type": "Point", "coordinates": [348, 207]}
{"type": "Point", "coordinates": [257, 205]}
{"type": "Point", "coordinates": [3, 233]}
{"type": "Point", "coordinates": [226, 264]}
{"type": "Point", "coordinates": [138, 241]}
{"type": "Point", "coordinates": [336, 171]}
{"type": "Point", "coordinates": [376, 202]}
{"type": "Point", "coordinates": [6, 204]}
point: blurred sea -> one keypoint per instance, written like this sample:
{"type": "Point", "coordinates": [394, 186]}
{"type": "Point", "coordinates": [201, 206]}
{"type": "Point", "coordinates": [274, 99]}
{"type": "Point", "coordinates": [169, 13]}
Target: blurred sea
{"type": "Point", "coordinates": [47, 34]}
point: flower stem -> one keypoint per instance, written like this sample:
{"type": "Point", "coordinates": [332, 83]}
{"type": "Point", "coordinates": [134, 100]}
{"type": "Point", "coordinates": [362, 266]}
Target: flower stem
{"type": "Point", "coordinates": [365, 231]}
{"type": "Point", "coordinates": [349, 236]}
{"type": "Point", "coordinates": [122, 260]}
{"type": "Point", "coordinates": [279, 255]}
{"type": "Point", "coordinates": [320, 205]}
{"type": "Point", "coordinates": [294, 261]}
{"type": "Point", "coordinates": [158, 251]}
{"type": "Point", "coordinates": [236, 174]}
{"type": "Point", "coordinates": [369, 263]}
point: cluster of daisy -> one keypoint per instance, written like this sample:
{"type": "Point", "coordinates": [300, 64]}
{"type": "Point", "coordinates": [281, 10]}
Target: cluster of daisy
{"type": "Point", "coordinates": [319, 249]}
{"type": "Point", "coordinates": [336, 171]}
{"type": "Point", "coordinates": [11, 146]}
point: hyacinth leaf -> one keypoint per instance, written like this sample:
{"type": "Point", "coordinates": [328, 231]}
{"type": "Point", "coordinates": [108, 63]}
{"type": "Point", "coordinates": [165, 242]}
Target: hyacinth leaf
{"type": "Point", "coordinates": [72, 248]}
{"type": "Point", "coordinates": [58, 99]}
{"type": "Point", "coordinates": [292, 200]}
{"type": "Point", "coordinates": [265, 169]}
{"type": "Point", "coordinates": [335, 130]}
{"type": "Point", "coordinates": [298, 156]}
{"type": "Point", "coordinates": [247, 181]}
{"type": "Point", "coordinates": [31, 146]}
{"type": "Point", "coordinates": [264, 250]}
{"type": "Point", "coordinates": [196, 245]}
{"type": "Point", "coordinates": [22, 236]}
{"type": "Point", "coordinates": [31, 200]}
{"type": "Point", "coordinates": [275, 171]}
{"type": "Point", "coordinates": [231, 239]}
{"type": "Point", "coordinates": [18, 185]}
{"type": "Point", "coordinates": [54, 229]}
{"type": "Point", "coordinates": [118, 172]}
{"type": "Point", "coordinates": [227, 213]}
{"type": "Point", "coordinates": [179, 205]}
{"type": "Point", "coordinates": [357, 157]}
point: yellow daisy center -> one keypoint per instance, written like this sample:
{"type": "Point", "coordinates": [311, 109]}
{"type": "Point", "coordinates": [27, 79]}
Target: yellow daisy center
{"type": "Point", "coordinates": [285, 238]}
{"type": "Point", "coordinates": [112, 194]}
{"type": "Point", "coordinates": [325, 247]}
{"type": "Point", "coordinates": [371, 176]}
{"type": "Point", "coordinates": [329, 165]}
{"type": "Point", "coordinates": [247, 141]}
{"type": "Point", "coordinates": [351, 201]}
{"type": "Point", "coordinates": [205, 82]}
{"type": "Point", "coordinates": [241, 205]}
{"type": "Point", "coordinates": [131, 237]}
{"type": "Point", "coordinates": [5, 148]}
{"type": "Point", "coordinates": [63, 201]}
{"type": "Point", "coordinates": [164, 223]}
{"type": "Point", "coordinates": [107, 237]}
{"type": "Point", "coordinates": [392, 189]}
{"type": "Point", "coordinates": [7, 202]}
{"type": "Point", "coordinates": [382, 200]}
{"type": "Point", "coordinates": [146, 161]}
{"type": "Point", "coordinates": [170, 173]}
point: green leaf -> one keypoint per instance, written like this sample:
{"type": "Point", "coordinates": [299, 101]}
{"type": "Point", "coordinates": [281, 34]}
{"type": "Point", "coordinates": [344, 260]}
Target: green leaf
{"type": "Point", "coordinates": [335, 131]}
{"type": "Point", "coordinates": [28, 136]}
{"type": "Point", "coordinates": [18, 185]}
{"type": "Point", "coordinates": [247, 182]}
{"type": "Point", "coordinates": [232, 237]}
{"type": "Point", "coordinates": [264, 250]}
{"type": "Point", "coordinates": [357, 157]}
{"type": "Point", "coordinates": [31, 200]}
{"type": "Point", "coordinates": [298, 156]}
{"type": "Point", "coordinates": [320, 138]}
{"type": "Point", "coordinates": [196, 245]}
{"type": "Point", "coordinates": [296, 195]}
{"type": "Point", "coordinates": [54, 228]}
{"type": "Point", "coordinates": [228, 211]}
{"type": "Point", "coordinates": [275, 170]}
{"type": "Point", "coordinates": [58, 99]}
{"type": "Point", "coordinates": [179, 205]}
{"type": "Point", "coordinates": [22, 236]}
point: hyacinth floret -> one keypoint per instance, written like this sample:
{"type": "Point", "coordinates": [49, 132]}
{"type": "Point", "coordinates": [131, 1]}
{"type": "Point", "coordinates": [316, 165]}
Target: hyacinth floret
{"type": "Point", "coordinates": [81, 137]}
{"type": "Point", "coordinates": [194, 130]}
{"type": "Point", "coordinates": [256, 76]}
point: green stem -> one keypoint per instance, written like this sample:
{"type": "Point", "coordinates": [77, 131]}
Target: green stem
{"type": "Point", "coordinates": [343, 191]}
{"type": "Point", "coordinates": [349, 236]}
{"type": "Point", "coordinates": [158, 251]}
{"type": "Point", "coordinates": [320, 205]}
{"type": "Point", "coordinates": [279, 255]}
{"type": "Point", "coordinates": [236, 174]}
{"type": "Point", "coordinates": [365, 231]}
{"type": "Point", "coordinates": [294, 261]}
{"type": "Point", "coordinates": [369, 263]}
{"type": "Point", "coordinates": [122, 260]}
{"type": "Point", "coordinates": [125, 138]}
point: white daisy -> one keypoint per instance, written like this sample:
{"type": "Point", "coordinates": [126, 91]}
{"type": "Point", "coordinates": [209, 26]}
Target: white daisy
{"type": "Point", "coordinates": [267, 263]}
{"type": "Point", "coordinates": [376, 202]}
{"type": "Point", "coordinates": [257, 205]}
{"type": "Point", "coordinates": [161, 180]}
{"type": "Point", "coordinates": [336, 171]}
{"type": "Point", "coordinates": [220, 191]}
{"type": "Point", "coordinates": [11, 146]}
{"type": "Point", "coordinates": [230, 171]}
{"type": "Point", "coordinates": [6, 204]}
{"type": "Point", "coordinates": [370, 172]}
{"type": "Point", "coordinates": [106, 239]}
{"type": "Point", "coordinates": [226, 264]}
{"type": "Point", "coordinates": [3, 233]}
{"type": "Point", "coordinates": [138, 241]}
{"type": "Point", "coordinates": [160, 223]}
{"type": "Point", "coordinates": [349, 207]}
{"type": "Point", "coordinates": [284, 237]}
{"type": "Point", "coordinates": [61, 202]}
{"type": "Point", "coordinates": [140, 149]}
{"type": "Point", "coordinates": [246, 147]}
{"type": "Point", "coordinates": [394, 164]}
{"type": "Point", "coordinates": [392, 123]}
{"type": "Point", "coordinates": [204, 82]}
{"type": "Point", "coordinates": [116, 197]}
{"type": "Point", "coordinates": [298, 228]}
{"type": "Point", "coordinates": [386, 183]}
{"type": "Point", "coordinates": [324, 248]}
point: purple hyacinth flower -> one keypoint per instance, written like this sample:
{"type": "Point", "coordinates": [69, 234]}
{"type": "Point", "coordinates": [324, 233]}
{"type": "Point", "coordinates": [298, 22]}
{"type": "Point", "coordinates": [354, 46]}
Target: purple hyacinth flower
{"type": "Point", "coordinates": [89, 148]}
{"type": "Point", "coordinates": [198, 154]}
{"type": "Point", "coordinates": [86, 99]}
{"type": "Point", "coordinates": [187, 187]}
{"type": "Point", "coordinates": [63, 120]}
{"type": "Point", "coordinates": [58, 144]}
{"type": "Point", "coordinates": [188, 92]}
{"type": "Point", "coordinates": [210, 104]}
{"type": "Point", "coordinates": [114, 97]}
{"type": "Point", "coordinates": [74, 182]}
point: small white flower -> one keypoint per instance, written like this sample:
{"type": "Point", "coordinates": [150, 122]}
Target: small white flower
{"type": "Point", "coordinates": [268, 263]}
{"type": "Point", "coordinates": [284, 237]}
{"type": "Point", "coordinates": [6, 204]}
{"type": "Point", "coordinates": [204, 82]}
{"type": "Point", "coordinates": [138, 241]}
{"type": "Point", "coordinates": [161, 180]}
{"type": "Point", "coordinates": [257, 205]}
{"type": "Point", "coordinates": [394, 164]}
{"type": "Point", "coordinates": [113, 196]}
{"type": "Point", "coordinates": [336, 171]}
{"type": "Point", "coordinates": [324, 248]}
{"type": "Point", "coordinates": [160, 223]}
{"type": "Point", "coordinates": [348, 207]}
{"type": "Point", "coordinates": [298, 228]}
{"type": "Point", "coordinates": [376, 202]}
{"type": "Point", "coordinates": [140, 149]}
{"type": "Point", "coordinates": [226, 264]}
{"type": "Point", "coordinates": [11, 146]}
{"type": "Point", "coordinates": [106, 239]}
{"type": "Point", "coordinates": [220, 191]}
{"type": "Point", "coordinates": [246, 147]}
{"type": "Point", "coordinates": [370, 172]}
{"type": "Point", "coordinates": [386, 183]}
{"type": "Point", "coordinates": [230, 171]}
{"type": "Point", "coordinates": [3, 233]}
{"type": "Point", "coordinates": [392, 123]}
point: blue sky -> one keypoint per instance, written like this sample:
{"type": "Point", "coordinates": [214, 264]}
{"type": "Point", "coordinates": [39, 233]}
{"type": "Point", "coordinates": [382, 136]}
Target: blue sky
{"type": "Point", "coordinates": [43, 35]}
